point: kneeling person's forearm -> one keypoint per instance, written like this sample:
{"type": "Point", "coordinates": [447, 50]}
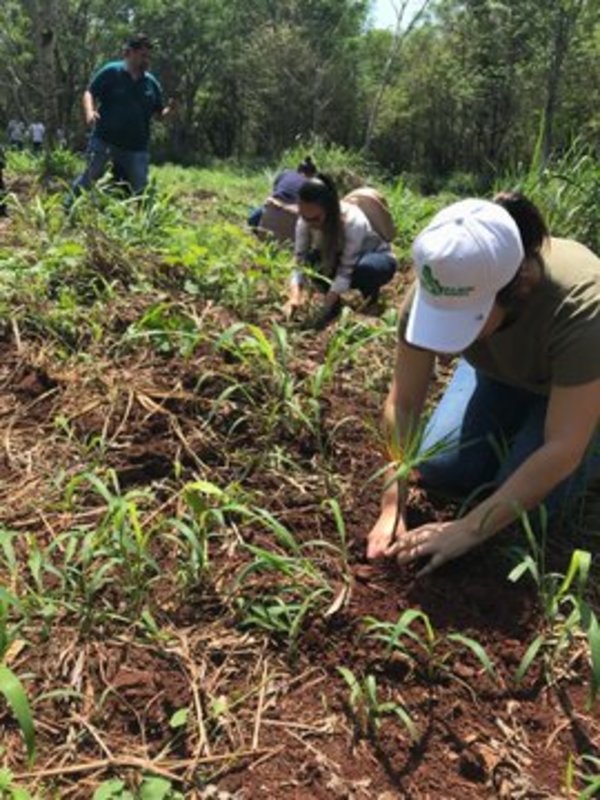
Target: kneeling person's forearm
{"type": "Point", "coordinates": [526, 488]}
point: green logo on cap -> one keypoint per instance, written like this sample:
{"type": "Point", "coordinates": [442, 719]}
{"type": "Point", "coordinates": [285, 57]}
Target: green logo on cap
{"type": "Point", "coordinates": [437, 289]}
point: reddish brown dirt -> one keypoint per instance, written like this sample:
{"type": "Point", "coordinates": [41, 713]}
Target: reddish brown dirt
{"type": "Point", "coordinates": [276, 723]}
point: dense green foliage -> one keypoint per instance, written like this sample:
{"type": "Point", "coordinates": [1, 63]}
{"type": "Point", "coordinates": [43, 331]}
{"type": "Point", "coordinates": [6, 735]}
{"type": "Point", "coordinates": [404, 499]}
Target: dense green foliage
{"type": "Point", "coordinates": [463, 94]}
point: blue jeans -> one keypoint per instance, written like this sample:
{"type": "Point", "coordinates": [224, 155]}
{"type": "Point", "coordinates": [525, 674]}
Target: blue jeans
{"type": "Point", "coordinates": [372, 271]}
{"type": "Point", "coordinates": [254, 217]}
{"type": "Point", "coordinates": [132, 164]}
{"type": "Point", "coordinates": [485, 430]}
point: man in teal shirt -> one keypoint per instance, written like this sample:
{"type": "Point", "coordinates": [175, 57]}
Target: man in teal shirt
{"type": "Point", "coordinates": [119, 103]}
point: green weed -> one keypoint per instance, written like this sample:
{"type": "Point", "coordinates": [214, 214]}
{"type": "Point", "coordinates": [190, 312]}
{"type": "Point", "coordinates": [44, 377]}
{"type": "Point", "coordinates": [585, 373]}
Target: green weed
{"type": "Point", "coordinates": [590, 777]}
{"type": "Point", "coordinates": [567, 189]}
{"type": "Point", "coordinates": [431, 646]}
{"type": "Point", "coordinates": [567, 615]}
{"type": "Point", "coordinates": [11, 687]}
{"type": "Point", "coordinates": [150, 788]}
{"type": "Point", "coordinates": [287, 584]}
{"type": "Point", "coordinates": [120, 537]}
{"type": "Point", "coordinates": [169, 327]}
{"type": "Point", "coordinates": [369, 710]}
{"type": "Point", "coordinates": [9, 790]}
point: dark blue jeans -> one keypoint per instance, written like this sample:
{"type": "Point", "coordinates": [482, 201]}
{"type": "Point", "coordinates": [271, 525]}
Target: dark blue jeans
{"type": "Point", "coordinates": [254, 217]}
{"type": "Point", "coordinates": [132, 165]}
{"type": "Point", "coordinates": [485, 430]}
{"type": "Point", "coordinates": [372, 272]}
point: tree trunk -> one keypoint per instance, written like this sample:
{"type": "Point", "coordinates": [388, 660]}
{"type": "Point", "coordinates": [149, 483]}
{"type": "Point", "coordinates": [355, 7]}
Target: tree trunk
{"type": "Point", "coordinates": [397, 39]}
{"type": "Point", "coordinates": [562, 35]}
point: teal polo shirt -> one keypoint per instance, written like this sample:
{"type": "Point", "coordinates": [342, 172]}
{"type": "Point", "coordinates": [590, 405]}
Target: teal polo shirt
{"type": "Point", "coordinates": [125, 105]}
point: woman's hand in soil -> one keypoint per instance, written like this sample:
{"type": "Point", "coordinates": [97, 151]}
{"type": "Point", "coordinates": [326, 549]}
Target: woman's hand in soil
{"type": "Point", "coordinates": [385, 536]}
{"type": "Point", "coordinates": [296, 299]}
{"type": "Point", "coordinates": [289, 309]}
{"type": "Point", "coordinates": [443, 541]}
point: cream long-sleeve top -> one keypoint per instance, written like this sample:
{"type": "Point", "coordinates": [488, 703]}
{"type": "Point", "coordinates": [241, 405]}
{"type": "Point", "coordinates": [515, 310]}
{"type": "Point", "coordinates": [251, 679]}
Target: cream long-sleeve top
{"type": "Point", "coordinates": [359, 239]}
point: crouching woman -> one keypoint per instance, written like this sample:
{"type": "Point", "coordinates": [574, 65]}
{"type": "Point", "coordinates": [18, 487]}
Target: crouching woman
{"type": "Point", "coordinates": [518, 421]}
{"type": "Point", "coordinates": [337, 241]}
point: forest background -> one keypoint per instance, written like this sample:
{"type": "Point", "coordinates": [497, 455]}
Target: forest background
{"type": "Point", "coordinates": [454, 95]}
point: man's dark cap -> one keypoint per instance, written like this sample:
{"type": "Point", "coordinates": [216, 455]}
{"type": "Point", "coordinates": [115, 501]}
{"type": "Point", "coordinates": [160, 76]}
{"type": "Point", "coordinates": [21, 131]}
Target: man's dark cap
{"type": "Point", "coordinates": [138, 41]}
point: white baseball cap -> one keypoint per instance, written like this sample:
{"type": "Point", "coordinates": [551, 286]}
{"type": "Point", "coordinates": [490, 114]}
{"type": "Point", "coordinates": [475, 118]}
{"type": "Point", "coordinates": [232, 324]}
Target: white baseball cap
{"type": "Point", "coordinates": [466, 254]}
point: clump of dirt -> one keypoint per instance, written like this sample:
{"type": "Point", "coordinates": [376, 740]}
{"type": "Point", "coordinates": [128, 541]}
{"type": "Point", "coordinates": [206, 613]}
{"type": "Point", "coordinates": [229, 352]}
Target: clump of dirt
{"type": "Point", "coordinates": [31, 382]}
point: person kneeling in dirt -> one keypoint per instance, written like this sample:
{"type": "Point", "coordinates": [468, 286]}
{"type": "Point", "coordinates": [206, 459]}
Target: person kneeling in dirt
{"type": "Point", "coordinates": [337, 240]}
{"type": "Point", "coordinates": [285, 188]}
{"type": "Point", "coordinates": [519, 419]}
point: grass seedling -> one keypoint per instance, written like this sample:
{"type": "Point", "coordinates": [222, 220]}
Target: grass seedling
{"type": "Point", "coordinates": [120, 534]}
{"type": "Point", "coordinates": [8, 556]}
{"type": "Point", "coordinates": [9, 790]}
{"type": "Point", "coordinates": [266, 358]}
{"type": "Point", "coordinates": [272, 385]}
{"type": "Point", "coordinates": [282, 613]}
{"type": "Point", "coordinates": [150, 788]}
{"type": "Point", "coordinates": [208, 509]}
{"type": "Point", "coordinates": [590, 777]}
{"type": "Point", "coordinates": [11, 687]}
{"type": "Point", "coordinates": [295, 587]}
{"type": "Point", "coordinates": [349, 338]}
{"type": "Point", "coordinates": [213, 509]}
{"type": "Point", "coordinates": [27, 575]}
{"type": "Point", "coordinates": [369, 710]}
{"type": "Point", "coordinates": [169, 328]}
{"type": "Point", "coordinates": [567, 615]}
{"type": "Point", "coordinates": [405, 451]}
{"type": "Point", "coordinates": [82, 570]}
{"type": "Point", "coordinates": [432, 646]}
{"type": "Point", "coordinates": [226, 264]}
{"type": "Point", "coordinates": [340, 527]}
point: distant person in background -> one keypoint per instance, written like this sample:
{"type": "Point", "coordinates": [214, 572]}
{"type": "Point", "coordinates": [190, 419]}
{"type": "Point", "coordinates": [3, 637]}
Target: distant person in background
{"type": "Point", "coordinates": [518, 422]}
{"type": "Point", "coordinates": [16, 134]}
{"type": "Point", "coordinates": [336, 240]}
{"type": "Point", "coordinates": [286, 187]}
{"type": "Point", "coordinates": [3, 210]}
{"type": "Point", "coordinates": [61, 138]}
{"type": "Point", "coordinates": [119, 105]}
{"type": "Point", "coordinates": [37, 131]}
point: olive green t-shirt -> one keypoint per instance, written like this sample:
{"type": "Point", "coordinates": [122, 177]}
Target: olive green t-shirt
{"type": "Point", "coordinates": [555, 339]}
